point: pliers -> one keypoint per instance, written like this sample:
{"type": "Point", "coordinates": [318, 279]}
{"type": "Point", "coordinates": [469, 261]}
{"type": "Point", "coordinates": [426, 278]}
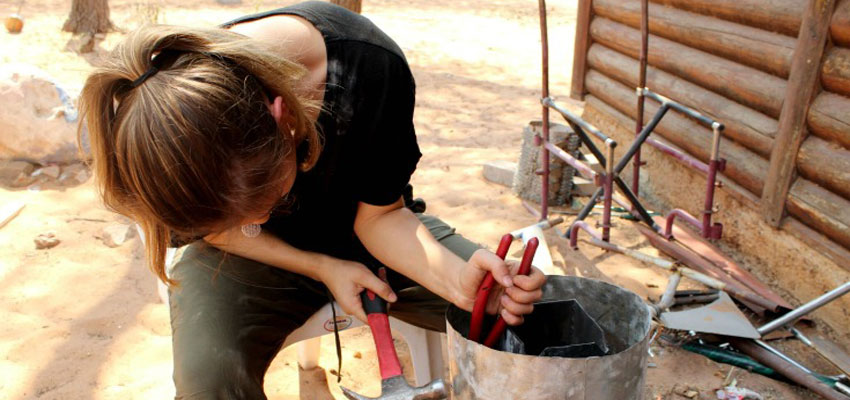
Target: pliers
{"type": "Point", "coordinates": [477, 320]}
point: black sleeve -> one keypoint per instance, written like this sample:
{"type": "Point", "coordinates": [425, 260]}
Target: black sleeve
{"type": "Point", "coordinates": [389, 152]}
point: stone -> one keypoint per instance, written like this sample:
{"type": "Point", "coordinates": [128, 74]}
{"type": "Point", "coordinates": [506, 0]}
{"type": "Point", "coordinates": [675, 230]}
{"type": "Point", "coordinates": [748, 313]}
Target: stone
{"type": "Point", "coordinates": [527, 184]}
{"type": "Point", "coordinates": [500, 172]}
{"type": "Point", "coordinates": [16, 173]}
{"type": "Point", "coordinates": [51, 171]}
{"type": "Point", "coordinates": [74, 174]}
{"type": "Point", "coordinates": [115, 235]}
{"type": "Point", "coordinates": [47, 240]}
{"type": "Point", "coordinates": [38, 121]}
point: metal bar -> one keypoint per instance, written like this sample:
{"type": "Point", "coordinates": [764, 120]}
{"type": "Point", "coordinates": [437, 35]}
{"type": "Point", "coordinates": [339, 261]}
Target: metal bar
{"type": "Point", "coordinates": [569, 116]}
{"type": "Point", "coordinates": [544, 43]}
{"type": "Point", "coordinates": [682, 108]}
{"type": "Point", "coordinates": [675, 153]}
{"type": "Point", "coordinates": [609, 194]}
{"type": "Point", "coordinates": [678, 212]}
{"type": "Point", "coordinates": [805, 309]}
{"type": "Point", "coordinates": [709, 231]}
{"type": "Point", "coordinates": [644, 48]}
{"type": "Point", "coordinates": [574, 233]}
{"type": "Point", "coordinates": [642, 137]}
{"type": "Point", "coordinates": [581, 167]}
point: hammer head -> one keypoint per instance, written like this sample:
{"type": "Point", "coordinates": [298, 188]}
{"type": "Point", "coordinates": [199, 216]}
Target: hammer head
{"type": "Point", "coordinates": [396, 388]}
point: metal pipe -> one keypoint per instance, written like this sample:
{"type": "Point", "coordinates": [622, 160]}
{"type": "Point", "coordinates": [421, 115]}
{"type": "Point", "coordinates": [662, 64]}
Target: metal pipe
{"type": "Point", "coordinates": [574, 233]}
{"type": "Point", "coordinates": [644, 48]}
{"type": "Point", "coordinates": [581, 167]}
{"type": "Point", "coordinates": [518, 234]}
{"type": "Point", "coordinates": [712, 231]}
{"type": "Point", "coordinates": [682, 214]}
{"type": "Point", "coordinates": [609, 192]}
{"type": "Point", "coordinates": [669, 296]}
{"type": "Point", "coordinates": [569, 116]}
{"type": "Point", "coordinates": [675, 153]}
{"type": "Point", "coordinates": [804, 309]}
{"type": "Point", "coordinates": [642, 137]}
{"type": "Point", "coordinates": [544, 43]}
{"type": "Point", "coordinates": [779, 354]}
{"type": "Point", "coordinates": [682, 108]}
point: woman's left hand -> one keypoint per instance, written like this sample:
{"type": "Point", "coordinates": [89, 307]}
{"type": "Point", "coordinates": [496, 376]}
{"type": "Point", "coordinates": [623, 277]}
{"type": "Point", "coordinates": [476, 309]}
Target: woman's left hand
{"type": "Point", "coordinates": [512, 298]}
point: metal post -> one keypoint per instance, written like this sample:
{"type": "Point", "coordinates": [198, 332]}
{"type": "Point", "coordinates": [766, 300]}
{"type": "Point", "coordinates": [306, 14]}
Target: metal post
{"type": "Point", "coordinates": [709, 231]}
{"type": "Point", "coordinates": [609, 191]}
{"type": "Point", "coordinates": [544, 152]}
{"type": "Point", "coordinates": [644, 40]}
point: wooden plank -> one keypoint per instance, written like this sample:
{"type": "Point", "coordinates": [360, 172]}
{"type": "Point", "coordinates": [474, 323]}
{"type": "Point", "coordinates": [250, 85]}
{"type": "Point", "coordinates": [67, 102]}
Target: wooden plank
{"type": "Point", "coordinates": [582, 43]}
{"type": "Point", "coordinates": [820, 209]}
{"type": "Point", "coordinates": [798, 96]}
{"type": "Point", "coordinates": [826, 164]}
{"type": "Point", "coordinates": [839, 28]}
{"type": "Point", "coordinates": [817, 241]}
{"type": "Point", "coordinates": [755, 89]}
{"type": "Point", "coordinates": [767, 51]}
{"type": "Point", "coordinates": [835, 74]}
{"type": "Point", "coordinates": [774, 15]}
{"type": "Point", "coordinates": [743, 166]}
{"type": "Point", "coordinates": [714, 255]}
{"type": "Point", "coordinates": [829, 119]}
{"type": "Point", "coordinates": [744, 125]}
{"type": "Point", "coordinates": [594, 104]}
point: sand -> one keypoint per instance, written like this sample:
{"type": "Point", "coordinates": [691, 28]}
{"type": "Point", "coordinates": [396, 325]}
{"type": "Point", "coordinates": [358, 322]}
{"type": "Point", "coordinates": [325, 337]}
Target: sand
{"type": "Point", "coordinates": [84, 321]}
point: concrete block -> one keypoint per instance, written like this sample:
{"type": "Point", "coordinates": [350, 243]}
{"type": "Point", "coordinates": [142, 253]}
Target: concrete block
{"type": "Point", "coordinates": [501, 172]}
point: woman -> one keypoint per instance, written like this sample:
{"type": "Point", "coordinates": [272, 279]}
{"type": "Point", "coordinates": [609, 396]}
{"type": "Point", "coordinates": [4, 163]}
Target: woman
{"type": "Point", "coordinates": [285, 142]}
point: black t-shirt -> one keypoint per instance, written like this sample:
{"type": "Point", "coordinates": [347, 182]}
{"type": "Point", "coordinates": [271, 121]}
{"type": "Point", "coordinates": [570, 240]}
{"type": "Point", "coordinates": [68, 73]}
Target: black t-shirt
{"type": "Point", "coordinates": [370, 148]}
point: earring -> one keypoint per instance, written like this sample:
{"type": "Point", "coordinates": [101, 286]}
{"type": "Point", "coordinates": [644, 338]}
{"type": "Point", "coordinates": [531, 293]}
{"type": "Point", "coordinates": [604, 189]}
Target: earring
{"type": "Point", "coordinates": [251, 230]}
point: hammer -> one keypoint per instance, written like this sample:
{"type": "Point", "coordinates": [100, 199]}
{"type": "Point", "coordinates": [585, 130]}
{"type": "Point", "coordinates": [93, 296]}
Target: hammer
{"type": "Point", "coordinates": [393, 385]}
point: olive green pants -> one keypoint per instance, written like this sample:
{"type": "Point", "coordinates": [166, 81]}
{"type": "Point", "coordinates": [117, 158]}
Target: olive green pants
{"type": "Point", "coordinates": [230, 315]}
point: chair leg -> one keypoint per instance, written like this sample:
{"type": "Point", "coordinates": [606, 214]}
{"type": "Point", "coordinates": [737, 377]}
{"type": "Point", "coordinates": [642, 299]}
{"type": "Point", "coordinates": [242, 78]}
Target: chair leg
{"type": "Point", "coordinates": [308, 352]}
{"type": "Point", "coordinates": [435, 349]}
{"type": "Point", "coordinates": [417, 342]}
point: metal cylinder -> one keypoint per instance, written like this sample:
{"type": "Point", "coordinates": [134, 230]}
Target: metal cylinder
{"type": "Point", "coordinates": [478, 372]}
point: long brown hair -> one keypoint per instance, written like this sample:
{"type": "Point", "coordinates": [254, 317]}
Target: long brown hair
{"type": "Point", "coordinates": [193, 148]}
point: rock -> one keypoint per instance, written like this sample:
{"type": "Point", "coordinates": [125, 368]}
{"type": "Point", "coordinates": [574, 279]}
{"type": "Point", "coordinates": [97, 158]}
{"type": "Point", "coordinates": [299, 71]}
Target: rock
{"type": "Point", "coordinates": [16, 173]}
{"type": "Point", "coordinates": [74, 174]}
{"type": "Point", "coordinates": [46, 240]}
{"type": "Point", "coordinates": [501, 172]}
{"type": "Point", "coordinates": [38, 121]}
{"type": "Point", "coordinates": [116, 235]}
{"type": "Point", "coordinates": [51, 171]}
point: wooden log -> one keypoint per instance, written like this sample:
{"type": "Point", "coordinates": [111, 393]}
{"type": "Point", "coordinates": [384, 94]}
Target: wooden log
{"type": "Point", "coordinates": [835, 74]}
{"type": "Point", "coordinates": [773, 15]}
{"type": "Point", "coordinates": [839, 28]}
{"type": "Point", "coordinates": [766, 51]}
{"type": "Point", "coordinates": [582, 42]}
{"type": "Point", "coordinates": [798, 96]}
{"type": "Point", "coordinates": [833, 251]}
{"type": "Point", "coordinates": [824, 211]}
{"type": "Point", "coordinates": [826, 164]}
{"type": "Point", "coordinates": [749, 86]}
{"type": "Point", "coordinates": [829, 119]}
{"type": "Point", "coordinates": [594, 104]}
{"type": "Point", "coordinates": [743, 166]}
{"type": "Point", "coordinates": [744, 125]}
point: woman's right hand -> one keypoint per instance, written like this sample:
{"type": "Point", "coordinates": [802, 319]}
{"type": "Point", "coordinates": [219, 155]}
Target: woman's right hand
{"type": "Point", "coordinates": [346, 279]}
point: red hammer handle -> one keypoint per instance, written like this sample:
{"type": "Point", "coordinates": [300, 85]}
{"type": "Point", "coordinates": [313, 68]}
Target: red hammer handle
{"type": "Point", "coordinates": [524, 269]}
{"type": "Point", "coordinates": [379, 323]}
{"type": "Point", "coordinates": [480, 305]}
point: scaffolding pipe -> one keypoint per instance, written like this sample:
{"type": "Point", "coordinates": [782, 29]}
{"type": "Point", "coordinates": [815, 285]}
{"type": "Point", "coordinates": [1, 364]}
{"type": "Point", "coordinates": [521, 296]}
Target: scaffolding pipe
{"type": "Point", "coordinates": [544, 151]}
{"type": "Point", "coordinates": [644, 40]}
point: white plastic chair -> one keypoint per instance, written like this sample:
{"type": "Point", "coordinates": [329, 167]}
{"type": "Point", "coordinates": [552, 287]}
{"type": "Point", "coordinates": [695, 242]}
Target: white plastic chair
{"type": "Point", "coordinates": [425, 346]}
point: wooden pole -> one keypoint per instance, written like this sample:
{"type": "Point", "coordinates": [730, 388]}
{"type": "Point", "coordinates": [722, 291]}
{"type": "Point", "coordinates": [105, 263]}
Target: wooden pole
{"type": "Point", "coordinates": [840, 26]}
{"type": "Point", "coordinates": [799, 93]}
{"type": "Point", "coordinates": [835, 73]}
{"type": "Point", "coordinates": [767, 51]}
{"type": "Point", "coordinates": [826, 164]}
{"type": "Point", "coordinates": [821, 209]}
{"type": "Point", "coordinates": [828, 118]}
{"type": "Point", "coordinates": [775, 15]}
{"type": "Point", "coordinates": [582, 43]}
{"type": "Point", "coordinates": [743, 124]}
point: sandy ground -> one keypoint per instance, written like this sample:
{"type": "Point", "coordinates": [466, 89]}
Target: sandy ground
{"type": "Point", "coordinates": [83, 321]}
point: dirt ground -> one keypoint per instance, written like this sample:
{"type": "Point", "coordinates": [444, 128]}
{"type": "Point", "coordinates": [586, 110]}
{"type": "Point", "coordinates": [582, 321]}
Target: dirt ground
{"type": "Point", "coordinates": [84, 321]}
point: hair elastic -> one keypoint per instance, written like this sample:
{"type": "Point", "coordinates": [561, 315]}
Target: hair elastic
{"type": "Point", "coordinates": [141, 79]}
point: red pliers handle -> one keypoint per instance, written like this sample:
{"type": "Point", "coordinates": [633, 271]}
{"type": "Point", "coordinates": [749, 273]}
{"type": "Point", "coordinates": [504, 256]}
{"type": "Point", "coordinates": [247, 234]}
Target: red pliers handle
{"type": "Point", "coordinates": [487, 285]}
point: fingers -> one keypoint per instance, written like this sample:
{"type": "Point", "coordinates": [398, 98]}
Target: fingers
{"type": "Point", "coordinates": [487, 261]}
{"type": "Point", "coordinates": [533, 281]}
{"type": "Point", "coordinates": [370, 281]}
{"type": "Point", "coordinates": [515, 307]}
{"type": "Point", "coordinates": [511, 319]}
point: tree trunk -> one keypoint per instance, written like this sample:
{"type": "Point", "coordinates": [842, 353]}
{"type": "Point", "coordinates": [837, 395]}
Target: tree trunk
{"type": "Point", "coordinates": [88, 16]}
{"type": "Point", "coordinates": [353, 5]}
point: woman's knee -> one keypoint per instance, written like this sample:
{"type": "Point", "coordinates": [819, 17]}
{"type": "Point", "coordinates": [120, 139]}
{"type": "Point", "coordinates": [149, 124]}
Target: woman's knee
{"type": "Point", "coordinates": [216, 373]}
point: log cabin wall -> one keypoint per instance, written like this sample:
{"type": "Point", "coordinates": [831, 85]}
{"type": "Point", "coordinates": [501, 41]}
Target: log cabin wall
{"type": "Point", "coordinates": [777, 74]}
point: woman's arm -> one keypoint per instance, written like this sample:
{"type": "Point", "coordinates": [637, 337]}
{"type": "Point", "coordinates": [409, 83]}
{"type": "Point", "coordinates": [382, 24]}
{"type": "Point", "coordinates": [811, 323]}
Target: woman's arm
{"type": "Point", "coordinates": [346, 279]}
{"type": "Point", "coordinates": [398, 239]}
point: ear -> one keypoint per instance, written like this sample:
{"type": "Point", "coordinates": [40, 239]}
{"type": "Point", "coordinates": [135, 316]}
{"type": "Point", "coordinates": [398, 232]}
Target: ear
{"type": "Point", "coordinates": [279, 110]}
